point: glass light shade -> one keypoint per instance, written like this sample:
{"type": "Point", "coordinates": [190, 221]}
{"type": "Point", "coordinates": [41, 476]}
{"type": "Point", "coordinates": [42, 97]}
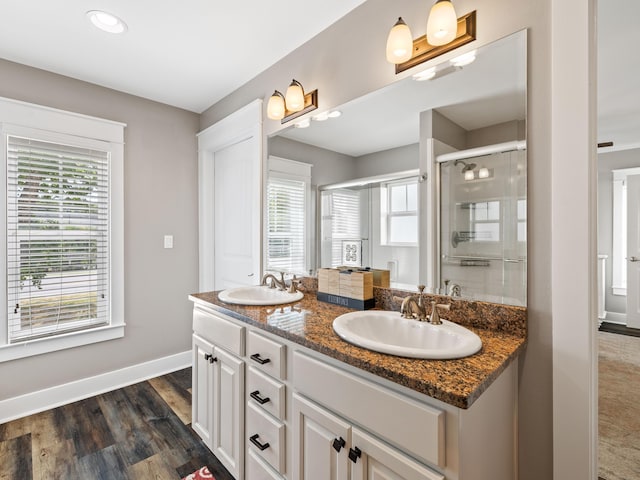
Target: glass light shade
{"type": "Point", "coordinates": [399, 43]}
{"type": "Point", "coordinates": [469, 175]}
{"type": "Point", "coordinates": [428, 74]}
{"type": "Point", "coordinates": [483, 172]}
{"type": "Point", "coordinates": [275, 107]}
{"type": "Point", "coordinates": [464, 59]}
{"type": "Point", "coordinates": [442, 24]}
{"type": "Point", "coordinates": [303, 123]}
{"type": "Point", "coordinates": [294, 98]}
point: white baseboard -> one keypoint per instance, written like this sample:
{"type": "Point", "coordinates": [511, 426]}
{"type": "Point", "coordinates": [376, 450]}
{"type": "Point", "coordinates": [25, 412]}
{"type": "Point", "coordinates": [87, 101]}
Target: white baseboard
{"type": "Point", "coordinates": [615, 317]}
{"type": "Point", "coordinates": [35, 402]}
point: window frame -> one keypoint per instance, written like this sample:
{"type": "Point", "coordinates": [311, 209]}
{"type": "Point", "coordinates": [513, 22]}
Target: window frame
{"type": "Point", "coordinates": [57, 126]}
{"type": "Point", "coordinates": [388, 215]}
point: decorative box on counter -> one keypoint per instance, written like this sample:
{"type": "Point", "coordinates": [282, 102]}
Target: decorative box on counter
{"type": "Point", "coordinates": [349, 287]}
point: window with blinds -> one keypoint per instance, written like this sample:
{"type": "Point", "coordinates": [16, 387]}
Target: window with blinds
{"type": "Point", "coordinates": [57, 238]}
{"type": "Point", "coordinates": [286, 224]}
{"type": "Point", "coordinates": [343, 207]}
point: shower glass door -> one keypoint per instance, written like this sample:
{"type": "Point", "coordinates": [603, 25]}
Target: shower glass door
{"type": "Point", "coordinates": [483, 226]}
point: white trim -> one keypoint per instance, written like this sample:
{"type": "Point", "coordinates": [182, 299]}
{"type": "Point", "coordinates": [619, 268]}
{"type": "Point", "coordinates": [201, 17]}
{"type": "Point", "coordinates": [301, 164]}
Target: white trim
{"type": "Point", "coordinates": [39, 346]}
{"type": "Point", "coordinates": [621, 291]}
{"type": "Point", "coordinates": [482, 151]}
{"type": "Point", "coordinates": [574, 231]}
{"type": "Point", "coordinates": [60, 121]}
{"type": "Point", "coordinates": [616, 317]}
{"type": "Point", "coordinates": [244, 124]}
{"type": "Point", "coordinates": [35, 402]}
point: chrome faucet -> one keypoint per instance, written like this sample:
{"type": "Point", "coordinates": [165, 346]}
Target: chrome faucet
{"type": "Point", "coordinates": [273, 282]}
{"type": "Point", "coordinates": [452, 290]}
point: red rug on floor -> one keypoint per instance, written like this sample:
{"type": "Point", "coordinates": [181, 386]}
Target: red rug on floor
{"type": "Point", "coordinates": [201, 474]}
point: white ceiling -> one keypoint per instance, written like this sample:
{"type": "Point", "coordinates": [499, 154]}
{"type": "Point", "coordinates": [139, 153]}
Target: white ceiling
{"type": "Point", "coordinates": [619, 73]}
{"type": "Point", "coordinates": [187, 53]}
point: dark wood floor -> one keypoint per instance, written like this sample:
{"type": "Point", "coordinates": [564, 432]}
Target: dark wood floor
{"type": "Point", "coordinates": [138, 432]}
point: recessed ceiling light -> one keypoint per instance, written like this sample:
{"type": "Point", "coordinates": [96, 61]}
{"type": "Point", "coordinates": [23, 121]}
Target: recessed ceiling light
{"type": "Point", "coordinates": [106, 21]}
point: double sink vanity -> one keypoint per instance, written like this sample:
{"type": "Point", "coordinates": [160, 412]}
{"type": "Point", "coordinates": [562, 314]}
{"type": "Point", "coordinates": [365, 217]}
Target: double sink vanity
{"type": "Point", "coordinates": [278, 394]}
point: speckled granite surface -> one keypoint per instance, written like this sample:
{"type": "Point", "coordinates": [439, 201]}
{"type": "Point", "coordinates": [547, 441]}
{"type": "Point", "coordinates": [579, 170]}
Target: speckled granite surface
{"type": "Point", "coordinates": [457, 382]}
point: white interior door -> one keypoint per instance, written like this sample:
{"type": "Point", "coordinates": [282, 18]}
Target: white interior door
{"type": "Point", "coordinates": [633, 251]}
{"type": "Point", "coordinates": [230, 200]}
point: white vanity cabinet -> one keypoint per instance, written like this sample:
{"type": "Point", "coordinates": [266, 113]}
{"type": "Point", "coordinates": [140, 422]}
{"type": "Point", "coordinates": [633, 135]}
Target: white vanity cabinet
{"type": "Point", "coordinates": [300, 415]}
{"type": "Point", "coordinates": [218, 388]}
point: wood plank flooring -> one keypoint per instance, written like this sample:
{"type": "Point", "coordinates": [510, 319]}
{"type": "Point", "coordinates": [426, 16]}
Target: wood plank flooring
{"type": "Point", "coordinates": [140, 432]}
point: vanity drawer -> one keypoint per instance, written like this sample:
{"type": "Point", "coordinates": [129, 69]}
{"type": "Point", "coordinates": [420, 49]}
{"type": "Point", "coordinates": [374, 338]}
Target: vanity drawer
{"type": "Point", "coordinates": [258, 469]}
{"type": "Point", "coordinates": [414, 427]}
{"type": "Point", "coordinates": [265, 392]}
{"type": "Point", "coordinates": [219, 331]}
{"type": "Point", "coordinates": [267, 355]}
{"type": "Point", "coordinates": [266, 437]}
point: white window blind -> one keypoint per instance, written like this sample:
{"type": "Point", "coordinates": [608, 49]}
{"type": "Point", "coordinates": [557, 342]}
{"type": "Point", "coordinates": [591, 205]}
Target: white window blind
{"type": "Point", "coordinates": [57, 238]}
{"type": "Point", "coordinates": [344, 208]}
{"type": "Point", "coordinates": [288, 198]}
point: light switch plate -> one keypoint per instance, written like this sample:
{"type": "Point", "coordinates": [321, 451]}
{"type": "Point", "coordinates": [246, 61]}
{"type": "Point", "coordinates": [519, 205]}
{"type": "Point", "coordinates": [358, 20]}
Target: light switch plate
{"type": "Point", "coordinates": [168, 241]}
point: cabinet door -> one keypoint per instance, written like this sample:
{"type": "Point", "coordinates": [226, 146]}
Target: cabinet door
{"type": "Point", "coordinates": [228, 412]}
{"type": "Point", "coordinates": [202, 388]}
{"type": "Point", "coordinates": [372, 459]}
{"type": "Point", "coordinates": [320, 442]}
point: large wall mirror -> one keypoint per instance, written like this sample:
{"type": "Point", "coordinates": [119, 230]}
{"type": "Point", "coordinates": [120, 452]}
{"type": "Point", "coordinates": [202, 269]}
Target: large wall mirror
{"type": "Point", "coordinates": [425, 177]}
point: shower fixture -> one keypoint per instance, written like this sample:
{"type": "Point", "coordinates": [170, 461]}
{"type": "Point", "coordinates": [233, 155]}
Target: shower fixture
{"type": "Point", "coordinates": [467, 170]}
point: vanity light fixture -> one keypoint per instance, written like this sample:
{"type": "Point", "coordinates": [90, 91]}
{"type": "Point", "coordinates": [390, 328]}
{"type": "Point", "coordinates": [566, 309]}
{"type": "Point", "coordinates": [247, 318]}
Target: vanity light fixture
{"type": "Point", "coordinates": [444, 33]}
{"type": "Point", "coordinates": [106, 22]}
{"type": "Point", "coordinates": [293, 104]}
{"type": "Point", "coordinates": [469, 175]}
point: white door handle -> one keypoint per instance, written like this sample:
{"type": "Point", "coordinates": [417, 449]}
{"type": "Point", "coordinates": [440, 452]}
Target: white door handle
{"type": "Point", "coordinates": [634, 259]}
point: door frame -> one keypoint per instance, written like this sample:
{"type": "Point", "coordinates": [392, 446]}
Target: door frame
{"type": "Point", "coordinates": [244, 124]}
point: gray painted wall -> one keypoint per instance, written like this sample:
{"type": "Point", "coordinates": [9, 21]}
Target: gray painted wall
{"type": "Point", "coordinates": [606, 163]}
{"type": "Point", "coordinates": [388, 161]}
{"type": "Point", "coordinates": [160, 181]}
{"type": "Point", "coordinates": [347, 61]}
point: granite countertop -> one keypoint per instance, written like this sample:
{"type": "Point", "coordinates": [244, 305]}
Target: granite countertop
{"type": "Point", "coordinates": [457, 382]}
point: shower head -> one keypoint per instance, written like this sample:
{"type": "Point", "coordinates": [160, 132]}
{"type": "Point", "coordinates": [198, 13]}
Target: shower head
{"type": "Point", "coordinates": [467, 166]}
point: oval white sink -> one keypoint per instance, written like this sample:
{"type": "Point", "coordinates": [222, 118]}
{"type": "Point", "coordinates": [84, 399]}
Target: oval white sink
{"type": "Point", "coordinates": [258, 295]}
{"type": "Point", "coordinates": [387, 332]}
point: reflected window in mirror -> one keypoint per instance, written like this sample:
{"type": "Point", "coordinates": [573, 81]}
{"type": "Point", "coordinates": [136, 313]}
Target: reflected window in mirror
{"type": "Point", "coordinates": [288, 193]}
{"type": "Point", "coordinates": [341, 227]}
{"type": "Point", "coordinates": [399, 211]}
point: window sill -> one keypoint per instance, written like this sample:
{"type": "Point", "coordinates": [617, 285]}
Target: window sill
{"type": "Point", "coordinates": [51, 344]}
{"type": "Point", "coordinates": [620, 291]}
